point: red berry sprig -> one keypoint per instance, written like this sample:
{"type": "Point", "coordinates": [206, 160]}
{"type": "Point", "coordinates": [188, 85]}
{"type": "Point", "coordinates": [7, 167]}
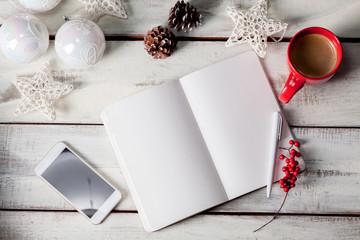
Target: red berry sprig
{"type": "Point", "coordinates": [291, 171]}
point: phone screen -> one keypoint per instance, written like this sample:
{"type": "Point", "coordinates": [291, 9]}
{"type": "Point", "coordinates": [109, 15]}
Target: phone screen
{"type": "Point", "coordinates": [77, 182]}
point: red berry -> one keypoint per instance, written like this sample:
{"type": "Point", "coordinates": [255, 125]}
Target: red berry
{"type": "Point", "coordinates": [291, 169]}
{"type": "Point", "coordinates": [297, 144]}
{"type": "Point", "coordinates": [282, 186]}
{"type": "Point", "coordinates": [298, 154]}
{"type": "Point", "coordinates": [292, 151]}
{"type": "Point", "coordinates": [287, 172]}
{"type": "Point", "coordinates": [291, 142]}
{"type": "Point", "coordinates": [292, 185]}
{"type": "Point", "coordinates": [292, 181]}
{"type": "Point", "coordinates": [293, 165]}
{"type": "Point", "coordinates": [292, 155]}
{"type": "Point", "coordinates": [286, 189]}
{"type": "Point", "coordinates": [288, 176]}
{"type": "Point", "coordinates": [287, 160]}
{"type": "Point", "coordinates": [284, 169]}
{"type": "Point", "coordinates": [281, 181]}
{"type": "Point", "coordinates": [285, 178]}
{"type": "Point", "coordinates": [296, 163]}
{"type": "Point", "coordinates": [297, 169]}
{"type": "Point", "coordinates": [294, 178]}
{"type": "Point", "coordinates": [296, 173]}
{"type": "Point", "coordinates": [281, 156]}
{"type": "Point", "coordinates": [292, 160]}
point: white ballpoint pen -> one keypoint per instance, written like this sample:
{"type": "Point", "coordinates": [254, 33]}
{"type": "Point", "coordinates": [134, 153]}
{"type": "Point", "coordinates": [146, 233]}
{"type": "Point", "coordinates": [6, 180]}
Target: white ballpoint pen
{"type": "Point", "coordinates": [276, 136]}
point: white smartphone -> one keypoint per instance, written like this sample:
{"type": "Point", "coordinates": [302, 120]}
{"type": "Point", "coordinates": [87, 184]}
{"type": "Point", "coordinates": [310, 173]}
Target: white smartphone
{"type": "Point", "coordinates": [78, 183]}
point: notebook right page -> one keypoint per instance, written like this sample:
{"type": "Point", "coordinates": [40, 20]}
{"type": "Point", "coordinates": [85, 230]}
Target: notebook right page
{"type": "Point", "coordinates": [233, 104]}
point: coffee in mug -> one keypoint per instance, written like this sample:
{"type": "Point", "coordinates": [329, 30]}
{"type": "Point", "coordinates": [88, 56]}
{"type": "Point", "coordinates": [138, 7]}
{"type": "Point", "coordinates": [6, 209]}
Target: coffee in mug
{"type": "Point", "coordinates": [313, 56]}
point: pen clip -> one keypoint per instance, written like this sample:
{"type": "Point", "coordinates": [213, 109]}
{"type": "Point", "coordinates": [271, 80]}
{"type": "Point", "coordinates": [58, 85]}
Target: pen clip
{"type": "Point", "coordinates": [279, 125]}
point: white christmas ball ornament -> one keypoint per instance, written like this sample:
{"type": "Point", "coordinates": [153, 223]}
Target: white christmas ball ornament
{"type": "Point", "coordinates": [39, 5]}
{"type": "Point", "coordinates": [80, 43]}
{"type": "Point", "coordinates": [23, 38]}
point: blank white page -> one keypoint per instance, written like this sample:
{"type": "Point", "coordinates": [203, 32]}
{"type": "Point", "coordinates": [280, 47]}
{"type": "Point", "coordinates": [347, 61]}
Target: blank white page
{"type": "Point", "coordinates": [163, 155]}
{"type": "Point", "coordinates": [233, 104]}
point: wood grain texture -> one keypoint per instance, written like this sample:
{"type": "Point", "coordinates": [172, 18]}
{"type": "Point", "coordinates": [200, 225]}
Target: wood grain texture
{"type": "Point", "coordinates": [126, 70]}
{"type": "Point", "coordinates": [340, 16]}
{"type": "Point", "coordinates": [329, 185]}
{"type": "Point", "coordinates": [51, 225]}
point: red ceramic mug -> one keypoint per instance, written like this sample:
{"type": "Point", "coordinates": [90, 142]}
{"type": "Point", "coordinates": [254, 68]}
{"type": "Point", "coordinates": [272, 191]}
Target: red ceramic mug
{"type": "Point", "coordinates": [296, 79]}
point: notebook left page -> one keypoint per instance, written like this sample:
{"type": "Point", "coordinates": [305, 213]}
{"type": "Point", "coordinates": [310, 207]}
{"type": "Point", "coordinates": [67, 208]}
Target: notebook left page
{"type": "Point", "coordinates": [163, 156]}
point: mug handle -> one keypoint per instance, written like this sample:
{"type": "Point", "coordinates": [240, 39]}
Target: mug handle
{"type": "Point", "coordinates": [293, 84]}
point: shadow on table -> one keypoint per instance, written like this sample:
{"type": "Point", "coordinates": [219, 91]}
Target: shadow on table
{"type": "Point", "coordinates": [348, 64]}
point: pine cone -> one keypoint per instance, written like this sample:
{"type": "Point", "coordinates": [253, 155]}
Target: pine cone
{"type": "Point", "coordinates": [184, 16]}
{"type": "Point", "coordinates": [160, 42]}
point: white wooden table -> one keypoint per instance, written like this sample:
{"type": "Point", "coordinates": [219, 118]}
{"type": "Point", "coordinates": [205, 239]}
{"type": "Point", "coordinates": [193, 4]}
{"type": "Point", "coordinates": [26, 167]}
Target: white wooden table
{"type": "Point", "coordinates": [326, 201]}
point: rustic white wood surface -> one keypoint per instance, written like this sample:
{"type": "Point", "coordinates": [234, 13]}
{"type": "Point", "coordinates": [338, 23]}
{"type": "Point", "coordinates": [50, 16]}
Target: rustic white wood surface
{"type": "Point", "coordinates": [340, 16]}
{"type": "Point", "coordinates": [325, 203]}
{"type": "Point", "coordinates": [125, 69]}
{"type": "Point", "coordinates": [328, 185]}
{"type": "Point", "coordinates": [70, 225]}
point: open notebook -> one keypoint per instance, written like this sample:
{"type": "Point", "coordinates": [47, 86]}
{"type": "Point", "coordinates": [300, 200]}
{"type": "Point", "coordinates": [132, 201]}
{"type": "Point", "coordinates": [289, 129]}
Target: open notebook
{"type": "Point", "coordinates": [192, 144]}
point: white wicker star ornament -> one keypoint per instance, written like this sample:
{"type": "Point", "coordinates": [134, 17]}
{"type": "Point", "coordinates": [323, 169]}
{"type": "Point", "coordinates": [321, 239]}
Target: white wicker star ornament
{"type": "Point", "coordinates": [97, 8]}
{"type": "Point", "coordinates": [40, 92]}
{"type": "Point", "coordinates": [253, 26]}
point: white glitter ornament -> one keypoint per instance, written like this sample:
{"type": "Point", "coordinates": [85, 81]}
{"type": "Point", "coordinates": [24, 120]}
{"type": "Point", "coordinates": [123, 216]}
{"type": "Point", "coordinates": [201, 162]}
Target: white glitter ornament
{"type": "Point", "coordinates": [40, 92]}
{"type": "Point", "coordinates": [39, 5]}
{"type": "Point", "coordinates": [23, 38]}
{"type": "Point", "coordinates": [97, 8]}
{"type": "Point", "coordinates": [80, 43]}
{"type": "Point", "coordinates": [253, 26]}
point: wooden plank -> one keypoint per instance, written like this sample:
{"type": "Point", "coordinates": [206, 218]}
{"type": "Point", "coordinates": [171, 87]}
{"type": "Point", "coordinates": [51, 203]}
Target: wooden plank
{"type": "Point", "coordinates": [341, 17]}
{"type": "Point", "coordinates": [328, 186]}
{"type": "Point", "coordinates": [125, 70]}
{"type": "Point", "coordinates": [71, 225]}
